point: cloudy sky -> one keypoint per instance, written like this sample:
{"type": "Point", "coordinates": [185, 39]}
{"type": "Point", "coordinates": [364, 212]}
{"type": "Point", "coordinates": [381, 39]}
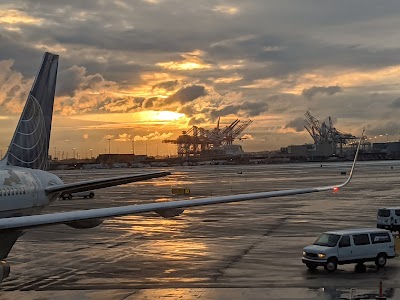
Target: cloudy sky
{"type": "Point", "coordinates": [146, 70]}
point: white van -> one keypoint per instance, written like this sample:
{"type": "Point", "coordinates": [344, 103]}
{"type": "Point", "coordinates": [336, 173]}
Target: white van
{"type": "Point", "coordinates": [388, 218]}
{"type": "Point", "coordinates": [340, 247]}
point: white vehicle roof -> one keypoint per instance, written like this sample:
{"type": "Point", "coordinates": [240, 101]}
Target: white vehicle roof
{"type": "Point", "coordinates": [356, 231]}
{"type": "Point", "coordinates": [389, 208]}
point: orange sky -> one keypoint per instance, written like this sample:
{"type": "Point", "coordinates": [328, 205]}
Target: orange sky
{"type": "Point", "coordinates": [131, 71]}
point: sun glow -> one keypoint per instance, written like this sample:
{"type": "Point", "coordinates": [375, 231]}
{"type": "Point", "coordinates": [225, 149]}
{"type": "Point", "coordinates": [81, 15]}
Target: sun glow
{"type": "Point", "coordinates": [190, 61]}
{"type": "Point", "coordinates": [187, 65]}
{"type": "Point", "coordinates": [163, 116]}
{"type": "Point", "coordinates": [140, 117]}
{"type": "Point", "coordinates": [13, 16]}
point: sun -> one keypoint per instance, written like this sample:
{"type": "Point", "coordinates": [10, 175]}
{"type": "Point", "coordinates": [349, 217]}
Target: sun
{"type": "Point", "coordinates": [163, 115]}
{"type": "Point", "coordinates": [149, 117]}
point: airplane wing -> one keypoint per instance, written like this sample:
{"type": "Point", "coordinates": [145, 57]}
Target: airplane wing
{"type": "Point", "coordinates": [101, 183]}
{"type": "Point", "coordinates": [159, 207]}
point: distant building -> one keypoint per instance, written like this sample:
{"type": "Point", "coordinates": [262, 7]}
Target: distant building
{"type": "Point", "coordinates": [311, 151]}
{"type": "Point", "coordinates": [111, 159]}
{"type": "Point", "coordinates": [233, 150]}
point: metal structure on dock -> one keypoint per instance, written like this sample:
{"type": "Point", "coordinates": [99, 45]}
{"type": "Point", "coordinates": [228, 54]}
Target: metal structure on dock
{"type": "Point", "coordinates": [199, 141]}
{"type": "Point", "coordinates": [326, 133]}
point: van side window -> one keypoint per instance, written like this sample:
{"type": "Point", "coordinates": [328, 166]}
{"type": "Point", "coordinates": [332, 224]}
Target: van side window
{"type": "Point", "coordinates": [344, 242]}
{"type": "Point", "coordinates": [397, 212]}
{"type": "Point", "coordinates": [383, 213]}
{"type": "Point", "coordinates": [380, 237]}
{"type": "Point", "coordinates": [361, 239]}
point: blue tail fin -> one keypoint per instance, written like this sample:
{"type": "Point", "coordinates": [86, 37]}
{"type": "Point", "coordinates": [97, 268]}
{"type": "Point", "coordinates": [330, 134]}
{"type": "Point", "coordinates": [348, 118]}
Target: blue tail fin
{"type": "Point", "coordinates": [29, 146]}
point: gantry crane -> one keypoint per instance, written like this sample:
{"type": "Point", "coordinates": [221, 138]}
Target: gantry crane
{"type": "Point", "coordinates": [326, 133]}
{"type": "Point", "coordinates": [197, 140]}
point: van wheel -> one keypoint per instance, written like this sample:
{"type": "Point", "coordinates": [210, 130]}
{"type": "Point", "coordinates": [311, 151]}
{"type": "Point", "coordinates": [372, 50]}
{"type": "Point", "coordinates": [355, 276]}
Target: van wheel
{"type": "Point", "coordinates": [91, 195]}
{"type": "Point", "coordinates": [331, 265]}
{"type": "Point", "coordinates": [380, 260]}
{"type": "Point", "coordinates": [311, 266]}
{"type": "Point", "coordinates": [69, 196]}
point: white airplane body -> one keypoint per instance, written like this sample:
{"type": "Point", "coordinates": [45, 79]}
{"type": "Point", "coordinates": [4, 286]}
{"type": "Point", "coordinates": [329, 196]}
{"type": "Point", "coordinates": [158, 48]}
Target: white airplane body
{"type": "Point", "coordinates": [22, 192]}
{"type": "Point", "coordinates": [26, 188]}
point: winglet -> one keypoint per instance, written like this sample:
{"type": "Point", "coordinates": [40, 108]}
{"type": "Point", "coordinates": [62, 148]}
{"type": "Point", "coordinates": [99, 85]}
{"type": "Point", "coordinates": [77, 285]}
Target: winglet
{"type": "Point", "coordinates": [354, 164]}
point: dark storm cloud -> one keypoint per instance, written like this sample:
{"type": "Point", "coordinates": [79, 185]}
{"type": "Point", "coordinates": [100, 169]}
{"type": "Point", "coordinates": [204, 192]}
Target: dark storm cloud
{"type": "Point", "coordinates": [196, 121]}
{"type": "Point", "coordinates": [292, 54]}
{"type": "Point", "coordinates": [395, 103]}
{"type": "Point", "coordinates": [138, 101]}
{"type": "Point", "coordinates": [149, 102]}
{"type": "Point", "coordinates": [390, 128]}
{"type": "Point", "coordinates": [121, 41]}
{"type": "Point", "coordinates": [101, 104]}
{"type": "Point", "coordinates": [11, 93]}
{"type": "Point", "coordinates": [115, 69]}
{"type": "Point", "coordinates": [120, 102]}
{"type": "Point", "coordinates": [249, 109]}
{"type": "Point", "coordinates": [67, 102]}
{"type": "Point", "coordinates": [187, 94]}
{"type": "Point", "coordinates": [15, 47]}
{"type": "Point", "coordinates": [117, 105]}
{"type": "Point", "coordinates": [92, 82]}
{"type": "Point", "coordinates": [314, 90]}
{"type": "Point", "coordinates": [69, 81]}
{"type": "Point", "coordinates": [130, 26]}
{"type": "Point", "coordinates": [189, 110]}
{"type": "Point", "coordinates": [253, 109]}
{"type": "Point", "coordinates": [296, 124]}
{"type": "Point", "coordinates": [166, 85]}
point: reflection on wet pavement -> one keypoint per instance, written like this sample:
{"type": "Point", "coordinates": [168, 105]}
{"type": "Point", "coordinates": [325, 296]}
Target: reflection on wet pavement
{"type": "Point", "coordinates": [247, 250]}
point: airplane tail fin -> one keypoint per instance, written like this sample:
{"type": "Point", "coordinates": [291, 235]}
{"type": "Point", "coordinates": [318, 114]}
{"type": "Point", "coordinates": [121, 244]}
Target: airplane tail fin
{"type": "Point", "coordinates": [29, 146]}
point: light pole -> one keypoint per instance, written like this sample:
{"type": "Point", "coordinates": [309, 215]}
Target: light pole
{"type": "Point", "coordinates": [109, 146]}
{"type": "Point", "coordinates": [55, 152]}
{"type": "Point", "coordinates": [91, 153]}
{"type": "Point", "coordinates": [74, 151]}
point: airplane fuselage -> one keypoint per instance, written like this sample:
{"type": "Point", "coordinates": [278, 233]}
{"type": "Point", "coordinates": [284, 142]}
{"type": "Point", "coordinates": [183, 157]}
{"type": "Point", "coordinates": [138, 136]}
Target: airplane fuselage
{"type": "Point", "coordinates": [22, 190]}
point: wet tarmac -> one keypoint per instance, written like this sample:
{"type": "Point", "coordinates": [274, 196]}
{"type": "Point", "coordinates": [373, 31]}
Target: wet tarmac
{"type": "Point", "coordinates": [248, 250]}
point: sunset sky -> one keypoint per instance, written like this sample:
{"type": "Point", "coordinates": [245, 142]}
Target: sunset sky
{"type": "Point", "coordinates": [146, 70]}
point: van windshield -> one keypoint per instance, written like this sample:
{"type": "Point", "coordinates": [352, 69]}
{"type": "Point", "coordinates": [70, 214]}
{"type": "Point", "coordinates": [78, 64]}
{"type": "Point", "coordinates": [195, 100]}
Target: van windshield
{"type": "Point", "coordinates": [383, 213]}
{"type": "Point", "coordinates": [327, 240]}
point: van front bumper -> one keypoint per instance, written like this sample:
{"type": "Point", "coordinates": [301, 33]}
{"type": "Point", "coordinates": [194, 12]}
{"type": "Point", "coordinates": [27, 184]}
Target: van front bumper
{"type": "Point", "coordinates": [319, 262]}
